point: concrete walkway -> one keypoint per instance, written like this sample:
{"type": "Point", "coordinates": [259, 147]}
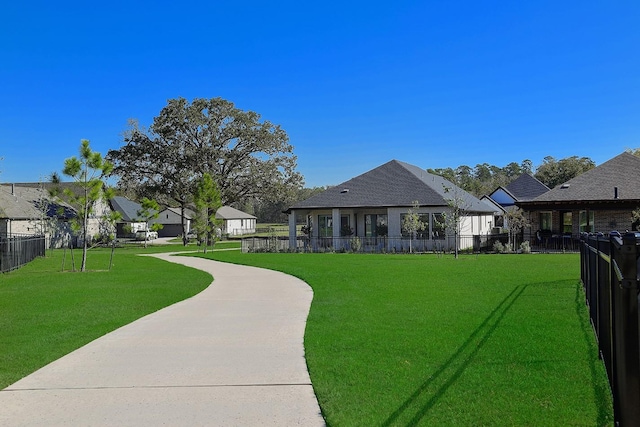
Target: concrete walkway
{"type": "Point", "coordinates": [230, 356]}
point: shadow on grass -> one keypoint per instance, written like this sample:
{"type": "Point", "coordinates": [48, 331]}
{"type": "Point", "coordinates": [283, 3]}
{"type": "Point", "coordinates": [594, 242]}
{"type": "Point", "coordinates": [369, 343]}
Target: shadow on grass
{"type": "Point", "coordinates": [602, 395]}
{"type": "Point", "coordinates": [463, 356]}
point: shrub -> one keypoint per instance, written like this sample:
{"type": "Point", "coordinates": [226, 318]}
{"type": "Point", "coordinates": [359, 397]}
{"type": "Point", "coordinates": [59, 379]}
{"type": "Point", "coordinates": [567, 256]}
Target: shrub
{"type": "Point", "coordinates": [356, 244]}
{"type": "Point", "coordinates": [525, 248]}
{"type": "Point", "coordinates": [498, 247]}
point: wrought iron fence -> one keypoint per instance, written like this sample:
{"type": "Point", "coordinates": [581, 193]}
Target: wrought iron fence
{"type": "Point", "coordinates": [610, 273]}
{"type": "Point", "coordinates": [466, 243]}
{"type": "Point", "coordinates": [18, 250]}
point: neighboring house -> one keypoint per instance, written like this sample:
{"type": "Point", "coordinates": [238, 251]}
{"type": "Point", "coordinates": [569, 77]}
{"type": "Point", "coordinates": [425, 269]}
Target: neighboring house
{"type": "Point", "coordinates": [97, 223]}
{"type": "Point", "coordinates": [522, 189]}
{"type": "Point", "coordinates": [26, 210]}
{"type": "Point", "coordinates": [129, 217]}
{"type": "Point", "coordinates": [171, 220]}
{"type": "Point", "coordinates": [599, 200]}
{"type": "Point", "coordinates": [499, 215]}
{"type": "Point", "coordinates": [371, 206]}
{"type": "Point", "coordinates": [235, 222]}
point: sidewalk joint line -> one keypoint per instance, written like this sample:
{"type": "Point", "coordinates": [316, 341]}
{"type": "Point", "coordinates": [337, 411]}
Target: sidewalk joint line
{"type": "Point", "coordinates": [155, 387]}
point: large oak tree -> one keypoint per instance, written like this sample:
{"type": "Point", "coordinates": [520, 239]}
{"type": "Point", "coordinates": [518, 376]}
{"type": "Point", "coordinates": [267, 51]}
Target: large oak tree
{"type": "Point", "coordinates": [247, 158]}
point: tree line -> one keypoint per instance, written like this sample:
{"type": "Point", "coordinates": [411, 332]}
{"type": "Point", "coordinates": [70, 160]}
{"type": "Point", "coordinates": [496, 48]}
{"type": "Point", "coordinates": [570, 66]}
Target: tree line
{"type": "Point", "coordinates": [484, 178]}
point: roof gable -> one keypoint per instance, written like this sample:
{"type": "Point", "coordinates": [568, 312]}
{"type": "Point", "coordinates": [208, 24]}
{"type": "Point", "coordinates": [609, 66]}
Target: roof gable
{"type": "Point", "coordinates": [599, 184]}
{"type": "Point", "coordinates": [492, 204]}
{"type": "Point", "coordinates": [188, 213]}
{"type": "Point", "coordinates": [227, 212]}
{"type": "Point", "coordinates": [503, 197]}
{"type": "Point", "coordinates": [394, 183]}
{"type": "Point", "coordinates": [526, 187]}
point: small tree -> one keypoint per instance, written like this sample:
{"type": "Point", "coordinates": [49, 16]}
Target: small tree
{"type": "Point", "coordinates": [453, 218]}
{"type": "Point", "coordinates": [88, 173]}
{"type": "Point", "coordinates": [110, 221]}
{"type": "Point", "coordinates": [42, 225]}
{"type": "Point", "coordinates": [517, 222]}
{"type": "Point", "coordinates": [149, 210]}
{"type": "Point", "coordinates": [411, 223]}
{"type": "Point", "coordinates": [207, 201]}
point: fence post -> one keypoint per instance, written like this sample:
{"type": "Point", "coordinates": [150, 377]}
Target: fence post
{"type": "Point", "coordinates": [626, 331]}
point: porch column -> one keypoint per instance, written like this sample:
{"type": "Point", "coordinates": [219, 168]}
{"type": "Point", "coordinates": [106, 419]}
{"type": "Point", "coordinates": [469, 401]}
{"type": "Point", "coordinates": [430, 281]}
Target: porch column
{"type": "Point", "coordinates": [337, 243]}
{"type": "Point", "coordinates": [292, 231]}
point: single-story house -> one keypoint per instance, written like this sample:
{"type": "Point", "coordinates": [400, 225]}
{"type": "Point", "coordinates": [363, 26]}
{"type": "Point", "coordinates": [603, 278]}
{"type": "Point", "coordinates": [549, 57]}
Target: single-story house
{"type": "Point", "coordinates": [236, 222]}
{"type": "Point", "coordinates": [372, 206]}
{"type": "Point", "coordinates": [30, 210]}
{"type": "Point", "coordinates": [524, 188]}
{"type": "Point", "coordinates": [171, 220]}
{"type": "Point", "coordinates": [599, 200]}
{"type": "Point", "coordinates": [129, 216]}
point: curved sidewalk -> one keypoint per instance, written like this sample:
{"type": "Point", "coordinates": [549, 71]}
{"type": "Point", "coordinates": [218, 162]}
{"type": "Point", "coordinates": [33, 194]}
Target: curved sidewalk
{"type": "Point", "coordinates": [232, 355]}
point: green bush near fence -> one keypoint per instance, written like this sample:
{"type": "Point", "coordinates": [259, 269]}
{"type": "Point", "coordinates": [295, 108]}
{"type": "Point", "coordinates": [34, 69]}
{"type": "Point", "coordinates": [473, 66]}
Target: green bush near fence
{"type": "Point", "coordinates": [422, 340]}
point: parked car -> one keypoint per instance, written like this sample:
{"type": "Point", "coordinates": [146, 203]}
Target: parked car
{"type": "Point", "coordinates": [146, 235]}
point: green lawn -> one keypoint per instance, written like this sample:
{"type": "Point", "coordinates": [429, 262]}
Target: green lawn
{"type": "Point", "coordinates": [390, 339]}
{"type": "Point", "coordinates": [46, 313]}
{"type": "Point", "coordinates": [422, 340]}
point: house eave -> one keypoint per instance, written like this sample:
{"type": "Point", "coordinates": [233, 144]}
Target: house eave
{"type": "Point", "coordinates": [373, 207]}
{"type": "Point", "coordinates": [577, 204]}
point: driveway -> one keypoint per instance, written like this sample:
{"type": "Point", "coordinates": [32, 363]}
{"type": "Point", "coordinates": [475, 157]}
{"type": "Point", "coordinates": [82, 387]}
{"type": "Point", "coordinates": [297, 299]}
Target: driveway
{"type": "Point", "coordinates": [232, 355]}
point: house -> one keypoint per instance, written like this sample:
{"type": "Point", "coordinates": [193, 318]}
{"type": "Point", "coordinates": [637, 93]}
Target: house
{"type": "Point", "coordinates": [599, 200]}
{"type": "Point", "coordinates": [524, 188]}
{"type": "Point", "coordinates": [30, 210]}
{"type": "Point", "coordinates": [171, 220]}
{"type": "Point", "coordinates": [130, 221]}
{"type": "Point", "coordinates": [372, 206]}
{"type": "Point", "coordinates": [97, 223]}
{"type": "Point", "coordinates": [235, 222]}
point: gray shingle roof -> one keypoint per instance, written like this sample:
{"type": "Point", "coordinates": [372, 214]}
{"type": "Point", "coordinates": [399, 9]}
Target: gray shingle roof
{"type": "Point", "coordinates": [127, 208]}
{"type": "Point", "coordinates": [526, 187]}
{"type": "Point", "coordinates": [21, 202]}
{"type": "Point", "coordinates": [623, 172]}
{"type": "Point", "coordinates": [227, 212]}
{"type": "Point", "coordinates": [394, 183]}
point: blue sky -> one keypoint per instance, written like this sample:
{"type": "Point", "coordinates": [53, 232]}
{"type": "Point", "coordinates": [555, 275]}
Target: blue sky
{"type": "Point", "coordinates": [354, 84]}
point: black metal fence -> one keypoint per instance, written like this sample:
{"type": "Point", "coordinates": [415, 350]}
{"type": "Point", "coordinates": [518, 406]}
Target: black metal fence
{"type": "Point", "coordinates": [466, 243]}
{"type": "Point", "coordinates": [610, 273]}
{"type": "Point", "coordinates": [18, 250]}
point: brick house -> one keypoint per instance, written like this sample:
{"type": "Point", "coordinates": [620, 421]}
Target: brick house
{"type": "Point", "coordinates": [599, 200]}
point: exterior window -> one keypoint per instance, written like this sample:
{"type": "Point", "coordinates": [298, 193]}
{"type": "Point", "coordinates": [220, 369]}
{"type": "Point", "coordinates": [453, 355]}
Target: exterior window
{"type": "Point", "coordinates": [567, 222]}
{"type": "Point", "coordinates": [586, 221]}
{"type": "Point", "coordinates": [420, 234]}
{"type": "Point", "coordinates": [345, 226]}
{"type": "Point", "coordinates": [325, 226]}
{"type": "Point", "coordinates": [545, 221]}
{"type": "Point", "coordinates": [375, 225]}
{"type": "Point", "coordinates": [382, 227]}
{"type": "Point", "coordinates": [437, 228]}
